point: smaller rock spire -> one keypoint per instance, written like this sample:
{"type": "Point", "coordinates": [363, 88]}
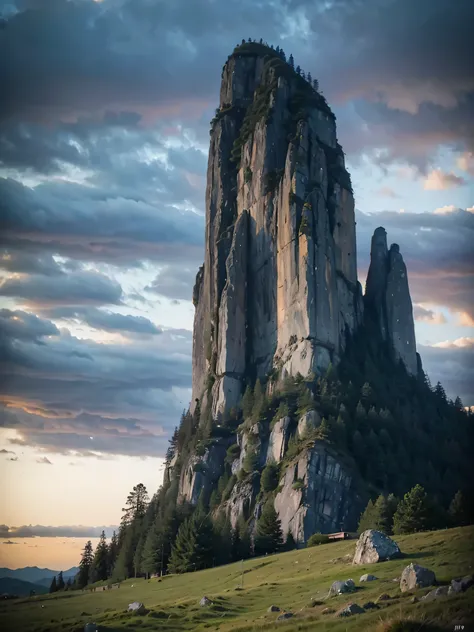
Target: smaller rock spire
{"type": "Point", "coordinates": [387, 296]}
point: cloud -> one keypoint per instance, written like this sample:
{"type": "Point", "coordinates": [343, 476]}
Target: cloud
{"type": "Point", "coordinates": [44, 460]}
{"type": "Point", "coordinates": [81, 288]}
{"type": "Point", "coordinates": [175, 282]}
{"type": "Point", "coordinates": [451, 363]}
{"type": "Point", "coordinates": [465, 320]}
{"type": "Point", "coordinates": [449, 208]}
{"type": "Point", "coordinates": [428, 315]}
{"type": "Point", "coordinates": [465, 162]}
{"type": "Point", "coordinates": [438, 180]}
{"type": "Point", "coordinates": [104, 320]}
{"type": "Point", "coordinates": [387, 192]}
{"type": "Point", "coordinates": [66, 531]}
{"type": "Point", "coordinates": [22, 325]}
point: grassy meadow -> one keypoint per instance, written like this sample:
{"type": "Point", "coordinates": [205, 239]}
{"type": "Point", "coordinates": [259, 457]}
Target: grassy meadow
{"type": "Point", "coordinates": [297, 582]}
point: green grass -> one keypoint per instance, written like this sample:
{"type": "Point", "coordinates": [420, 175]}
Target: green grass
{"type": "Point", "coordinates": [297, 581]}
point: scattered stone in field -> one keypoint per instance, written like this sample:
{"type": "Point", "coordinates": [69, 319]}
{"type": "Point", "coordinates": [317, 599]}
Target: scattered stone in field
{"type": "Point", "coordinates": [349, 610]}
{"type": "Point", "coordinates": [383, 597]}
{"type": "Point", "coordinates": [285, 615]}
{"type": "Point", "coordinates": [461, 585]}
{"type": "Point", "coordinates": [441, 591]}
{"type": "Point", "coordinates": [414, 599]}
{"type": "Point", "coordinates": [374, 546]}
{"type": "Point", "coordinates": [328, 611]}
{"type": "Point", "coordinates": [369, 605]}
{"type": "Point", "coordinates": [205, 602]}
{"type": "Point", "coordinates": [90, 627]}
{"type": "Point", "coordinates": [415, 576]}
{"type": "Point", "coordinates": [339, 587]}
{"type": "Point", "coordinates": [137, 607]}
{"type": "Point", "coordinates": [273, 609]}
{"type": "Point", "coordinates": [367, 578]}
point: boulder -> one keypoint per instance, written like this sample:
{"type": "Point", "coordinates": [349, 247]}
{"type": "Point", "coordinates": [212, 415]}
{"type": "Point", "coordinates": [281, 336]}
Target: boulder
{"type": "Point", "coordinates": [273, 609]}
{"type": "Point", "coordinates": [441, 591]}
{"type": "Point", "coordinates": [370, 605]}
{"type": "Point", "coordinates": [367, 578]}
{"type": "Point", "coordinates": [383, 597]}
{"type": "Point", "coordinates": [137, 607]}
{"type": "Point", "coordinates": [349, 610]}
{"type": "Point", "coordinates": [205, 602]}
{"type": "Point", "coordinates": [374, 546]}
{"type": "Point", "coordinates": [415, 576]}
{"type": "Point", "coordinates": [284, 616]}
{"type": "Point", "coordinates": [461, 585]}
{"type": "Point", "coordinates": [340, 587]}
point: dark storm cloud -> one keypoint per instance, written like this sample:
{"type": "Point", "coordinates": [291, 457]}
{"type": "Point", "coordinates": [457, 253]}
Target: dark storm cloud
{"type": "Point", "coordinates": [90, 288]}
{"type": "Point", "coordinates": [453, 366]}
{"type": "Point", "coordinates": [437, 249]}
{"type": "Point", "coordinates": [105, 321]}
{"type": "Point", "coordinates": [22, 325]}
{"type": "Point", "coordinates": [28, 263]}
{"type": "Point", "coordinates": [175, 282]}
{"type": "Point", "coordinates": [69, 531]}
{"type": "Point", "coordinates": [84, 222]}
{"type": "Point", "coordinates": [407, 65]}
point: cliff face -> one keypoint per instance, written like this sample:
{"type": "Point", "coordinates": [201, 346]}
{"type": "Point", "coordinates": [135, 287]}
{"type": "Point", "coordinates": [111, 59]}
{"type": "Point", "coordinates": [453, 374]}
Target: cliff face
{"type": "Point", "coordinates": [277, 296]}
{"type": "Point", "coordinates": [388, 296]}
{"type": "Point", "coordinates": [279, 286]}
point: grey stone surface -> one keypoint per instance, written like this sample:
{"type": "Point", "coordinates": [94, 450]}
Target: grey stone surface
{"type": "Point", "coordinates": [415, 576]}
{"type": "Point", "coordinates": [340, 587]}
{"type": "Point", "coordinates": [307, 422]}
{"type": "Point", "coordinates": [387, 295]}
{"type": "Point", "coordinates": [349, 610]}
{"type": "Point", "coordinates": [137, 607]}
{"type": "Point", "coordinates": [370, 605]}
{"type": "Point", "coordinates": [205, 602]}
{"type": "Point", "coordinates": [284, 616]}
{"type": "Point", "coordinates": [278, 440]}
{"type": "Point", "coordinates": [367, 578]}
{"type": "Point", "coordinates": [329, 496]}
{"type": "Point", "coordinates": [441, 591]}
{"type": "Point", "coordinates": [461, 585]}
{"type": "Point", "coordinates": [374, 546]}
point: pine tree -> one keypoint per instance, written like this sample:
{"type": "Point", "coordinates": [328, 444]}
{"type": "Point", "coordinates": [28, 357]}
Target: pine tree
{"type": "Point", "coordinates": [367, 518]}
{"type": "Point", "coordinates": [290, 543]}
{"type": "Point", "coordinates": [310, 79]}
{"type": "Point", "coordinates": [458, 511]}
{"type": "Point", "coordinates": [54, 586]}
{"type": "Point", "coordinates": [113, 550]}
{"type": "Point", "coordinates": [85, 565]}
{"type": "Point", "coordinates": [193, 548]}
{"type": "Point", "coordinates": [381, 516]}
{"type": "Point", "coordinates": [298, 70]}
{"type": "Point", "coordinates": [291, 61]}
{"type": "Point", "coordinates": [269, 477]}
{"type": "Point", "coordinates": [222, 553]}
{"type": "Point", "coordinates": [269, 537]}
{"type": "Point", "coordinates": [60, 583]}
{"type": "Point", "coordinates": [100, 565]}
{"type": "Point", "coordinates": [247, 402]}
{"type": "Point", "coordinates": [258, 401]}
{"type": "Point", "coordinates": [316, 84]}
{"type": "Point", "coordinates": [136, 504]}
{"type": "Point", "coordinates": [68, 584]}
{"type": "Point", "coordinates": [414, 513]}
{"type": "Point", "coordinates": [171, 451]}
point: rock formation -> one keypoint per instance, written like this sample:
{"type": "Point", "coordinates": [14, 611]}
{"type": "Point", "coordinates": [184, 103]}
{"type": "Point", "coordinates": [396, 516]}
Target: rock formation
{"type": "Point", "coordinates": [388, 296]}
{"type": "Point", "coordinates": [279, 284]}
{"type": "Point", "coordinates": [278, 296]}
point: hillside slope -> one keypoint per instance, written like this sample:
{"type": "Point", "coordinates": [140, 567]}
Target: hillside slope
{"type": "Point", "coordinates": [288, 580]}
{"type": "Point", "coordinates": [19, 587]}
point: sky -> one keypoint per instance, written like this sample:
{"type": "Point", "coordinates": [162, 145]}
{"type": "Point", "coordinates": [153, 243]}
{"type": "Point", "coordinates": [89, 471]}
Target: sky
{"type": "Point", "coordinates": [104, 134]}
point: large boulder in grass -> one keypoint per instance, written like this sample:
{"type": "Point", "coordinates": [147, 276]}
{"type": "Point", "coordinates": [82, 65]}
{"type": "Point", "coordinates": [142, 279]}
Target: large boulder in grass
{"type": "Point", "coordinates": [461, 585]}
{"type": "Point", "coordinates": [348, 611]}
{"type": "Point", "coordinates": [415, 576]}
{"type": "Point", "coordinates": [441, 591]}
{"type": "Point", "coordinates": [374, 546]}
{"type": "Point", "coordinates": [338, 588]}
{"type": "Point", "coordinates": [136, 607]}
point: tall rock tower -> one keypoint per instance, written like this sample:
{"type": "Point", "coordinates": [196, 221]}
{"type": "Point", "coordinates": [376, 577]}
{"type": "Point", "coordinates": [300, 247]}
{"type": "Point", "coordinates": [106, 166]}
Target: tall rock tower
{"type": "Point", "coordinates": [278, 291]}
{"type": "Point", "coordinates": [387, 295]}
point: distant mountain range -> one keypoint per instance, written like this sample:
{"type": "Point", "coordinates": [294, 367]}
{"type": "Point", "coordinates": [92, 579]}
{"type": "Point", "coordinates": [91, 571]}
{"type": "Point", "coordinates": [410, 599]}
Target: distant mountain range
{"type": "Point", "coordinates": [22, 580]}
{"type": "Point", "coordinates": [19, 587]}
